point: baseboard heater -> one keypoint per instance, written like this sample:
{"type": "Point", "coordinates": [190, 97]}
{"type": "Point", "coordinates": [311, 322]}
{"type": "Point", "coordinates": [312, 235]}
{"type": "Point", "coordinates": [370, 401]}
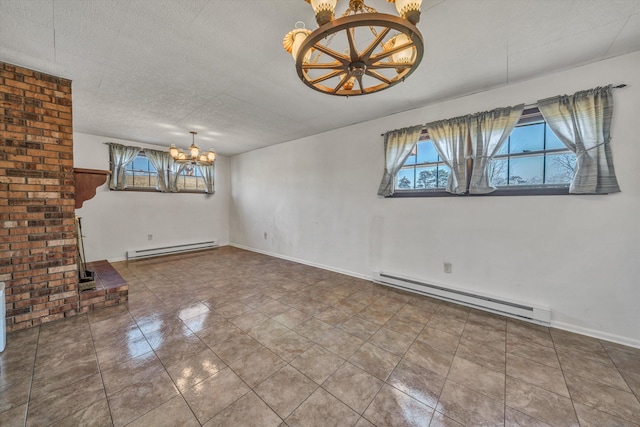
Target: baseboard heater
{"type": "Point", "coordinates": [538, 315]}
{"type": "Point", "coordinates": [133, 254]}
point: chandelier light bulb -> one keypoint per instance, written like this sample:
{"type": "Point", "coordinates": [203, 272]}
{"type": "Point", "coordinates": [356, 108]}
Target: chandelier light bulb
{"type": "Point", "coordinates": [408, 9]}
{"type": "Point", "coordinates": [324, 10]}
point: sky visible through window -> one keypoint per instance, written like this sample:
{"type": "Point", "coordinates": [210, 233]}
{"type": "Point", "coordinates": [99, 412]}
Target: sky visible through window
{"type": "Point", "coordinates": [524, 159]}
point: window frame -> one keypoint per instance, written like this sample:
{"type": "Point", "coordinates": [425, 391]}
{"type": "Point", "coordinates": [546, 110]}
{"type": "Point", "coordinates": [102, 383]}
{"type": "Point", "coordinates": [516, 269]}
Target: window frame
{"type": "Point", "coordinates": [154, 189]}
{"type": "Point", "coordinates": [530, 116]}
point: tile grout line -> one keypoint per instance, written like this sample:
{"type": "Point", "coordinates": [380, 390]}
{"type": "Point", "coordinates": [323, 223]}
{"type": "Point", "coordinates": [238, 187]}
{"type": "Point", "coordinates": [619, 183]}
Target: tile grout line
{"type": "Point", "coordinates": [95, 352]}
{"type": "Point", "coordinates": [33, 374]}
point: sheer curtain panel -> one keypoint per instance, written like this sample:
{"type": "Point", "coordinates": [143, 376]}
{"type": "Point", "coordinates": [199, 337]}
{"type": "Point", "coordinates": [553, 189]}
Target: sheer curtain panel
{"type": "Point", "coordinates": [397, 147]}
{"type": "Point", "coordinates": [175, 170]}
{"type": "Point", "coordinates": [582, 121]}
{"type": "Point", "coordinates": [161, 161]}
{"type": "Point", "coordinates": [207, 173]}
{"type": "Point", "coordinates": [119, 157]}
{"type": "Point", "coordinates": [489, 131]}
{"type": "Point", "coordinates": [450, 138]}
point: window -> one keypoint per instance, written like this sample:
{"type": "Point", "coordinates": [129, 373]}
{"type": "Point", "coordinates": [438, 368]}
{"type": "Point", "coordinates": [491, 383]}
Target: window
{"type": "Point", "coordinates": [191, 180]}
{"type": "Point", "coordinates": [140, 173]}
{"type": "Point", "coordinates": [532, 161]}
{"type": "Point", "coordinates": [423, 169]}
{"type": "Point", "coordinates": [532, 156]}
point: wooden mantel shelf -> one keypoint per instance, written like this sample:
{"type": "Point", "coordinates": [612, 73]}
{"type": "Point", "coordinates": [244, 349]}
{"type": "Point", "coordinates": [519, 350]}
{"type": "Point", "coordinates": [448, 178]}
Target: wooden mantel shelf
{"type": "Point", "coordinates": [87, 182]}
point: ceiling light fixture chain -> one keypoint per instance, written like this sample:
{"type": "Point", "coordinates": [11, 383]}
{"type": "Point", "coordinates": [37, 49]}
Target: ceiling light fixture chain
{"type": "Point", "coordinates": [368, 64]}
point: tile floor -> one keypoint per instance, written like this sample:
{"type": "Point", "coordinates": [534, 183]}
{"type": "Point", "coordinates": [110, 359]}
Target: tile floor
{"type": "Point", "coordinates": [233, 338]}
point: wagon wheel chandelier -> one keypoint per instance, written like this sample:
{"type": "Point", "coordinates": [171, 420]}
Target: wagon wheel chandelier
{"type": "Point", "coordinates": [371, 51]}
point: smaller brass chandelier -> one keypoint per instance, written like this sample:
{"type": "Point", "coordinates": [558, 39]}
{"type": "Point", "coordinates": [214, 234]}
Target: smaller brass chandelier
{"type": "Point", "coordinates": [378, 50]}
{"type": "Point", "coordinates": [194, 156]}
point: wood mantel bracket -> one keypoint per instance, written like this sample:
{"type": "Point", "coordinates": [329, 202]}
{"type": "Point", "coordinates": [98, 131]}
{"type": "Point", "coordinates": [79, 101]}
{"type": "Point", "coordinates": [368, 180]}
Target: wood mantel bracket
{"type": "Point", "coordinates": [87, 182]}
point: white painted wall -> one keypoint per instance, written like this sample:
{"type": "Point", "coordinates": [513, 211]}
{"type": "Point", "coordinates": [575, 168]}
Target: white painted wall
{"type": "Point", "coordinates": [115, 221]}
{"type": "Point", "coordinates": [579, 255]}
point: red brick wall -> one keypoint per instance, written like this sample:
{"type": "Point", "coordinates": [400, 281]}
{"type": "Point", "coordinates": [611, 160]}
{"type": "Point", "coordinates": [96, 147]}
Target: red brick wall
{"type": "Point", "coordinates": [37, 232]}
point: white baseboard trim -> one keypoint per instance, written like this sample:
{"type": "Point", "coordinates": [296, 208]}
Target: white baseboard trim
{"type": "Point", "coordinates": [605, 336]}
{"type": "Point", "coordinates": [302, 261]}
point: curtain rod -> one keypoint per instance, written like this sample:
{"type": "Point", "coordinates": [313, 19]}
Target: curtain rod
{"type": "Point", "coordinates": [620, 86]}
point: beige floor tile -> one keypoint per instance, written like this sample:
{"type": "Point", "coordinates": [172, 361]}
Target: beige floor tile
{"type": "Point", "coordinates": [537, 353]}
{"type": "Point", "coordinates": [469, 407]}
{"type": "Point", "coordinates": [321, 409]}
{"type": "Point", "coordinates": [257, 366]}
{"type": "Point", "coordinates": [543, 376]}
{"type": "Point", "coordinates": [478, 378]}
{"type": "Point", "coordinates": [232, 309]}
{"type": "Point", "coordinates": [196, 367]}
{"type": "Point", "coordinates": [482, 354]}
{"type": "Point", "coordinates": [340, 343]}
{"type": "Point", "coordinates": [291, 318]}
{"type": "Point", "coordinates": [235, 348]}
{"type": "Point", "coordinates": [404, 326]}
{"type": "Point", "coordinates": [139, 397]}
{"type": "Point", "coordinates": [226, 386]}
{"type": "Point", "coordinates": [439, 339]}
{"type": "Point", "coordinates": [333, 316]}
{"type": "Point", "coordinates": [440, 420]}
{"type": "Point", "coordinates": [14, 417]}
{"type": "Point", "coordinates": [285, 390]}
{"type": "Point", "coordinates": [603, 398]}
{"type": "Point", "coordinates": [95, 415]}
{"type": "Point", "coordinates": [590, 417]}
{"type": "Point", "coordinates": [360, 328]}
{"type": "Point", "coordinates": [417, 382]}
{"type": "Point", "coordinates": [627, 360]}
{"type": "Point", "coordinates": [174, 412]}
{"type": "Point", "coordinates": [267, 330]}
{"type": "Point", "coordinates": [353, 386]}
{"type": "Point", "coordinates": [15, 395]}
{"type": "Point", "coordinates": [586, 367]}
{"type": "Point", "coordinates": [451, 325]}
{"type": "Point", "coordinates": [540, 404]}
{"type": "Point", "coordinates": [313, 329]}
{"type": "Point", "coordinates": [429, 358]}
{"type": "Point", "coordinates": [374, 360]}
{"type": "Point", "coordinates": [317, 363]}
{"type": "Point", "coordinates": [248, 319]}
{"type": "Point", "coordinates": [394, 408]}
{"type": "Point", "coordinates": [289, 345]}
{"type": "Point", "coordinates": [63, 402]}
{"type": "Point", "coordinates": [49, 377]}
{"type": "Point", "coordinates": [529, 333]}
{"type": "Point", "coordinates": [633, 381]}
{"type": "Point", "coordinates": [248, 411]}
{"type": "Point", "coordinates": [393, 342]}
{"type": "Point", "coordinates": [513, 418]}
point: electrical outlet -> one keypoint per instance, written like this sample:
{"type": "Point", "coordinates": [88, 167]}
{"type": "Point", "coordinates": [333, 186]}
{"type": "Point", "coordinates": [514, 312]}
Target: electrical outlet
{"type": "Point", "coordinates": [265, 234]}
{"type": "Point", "coordinates": [149, 236]}
{"type": "Point", "coordinates": [447, 267]}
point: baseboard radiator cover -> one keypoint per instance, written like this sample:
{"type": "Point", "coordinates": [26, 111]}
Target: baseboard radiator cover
{"type": "Point", "coordinates": [133, 254]}
{"type": "Point", "coordinates": [540, 315]}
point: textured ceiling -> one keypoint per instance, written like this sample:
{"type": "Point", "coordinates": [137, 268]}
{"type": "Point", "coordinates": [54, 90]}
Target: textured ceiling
{"type": "Point", "coordinates": [152, 70]}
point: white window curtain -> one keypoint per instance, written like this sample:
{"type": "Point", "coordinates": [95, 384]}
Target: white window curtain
{"type": "Point", "coordinates": [161, 160]}
{"type": "Point", "coordinates": [207, 173]}
{"type": "Point", "coordinates": [450, 138]}
{"type": "Point", "coordinates": [582, 122]}
{"type": "Point", "coordinates": [489, 131]}
{"type": "Point", "coordinates": [175, 170]}
{"type": "Point", "coordinates": [398, 144]}
{"type": "Point", "coordinates": [119, 157]}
